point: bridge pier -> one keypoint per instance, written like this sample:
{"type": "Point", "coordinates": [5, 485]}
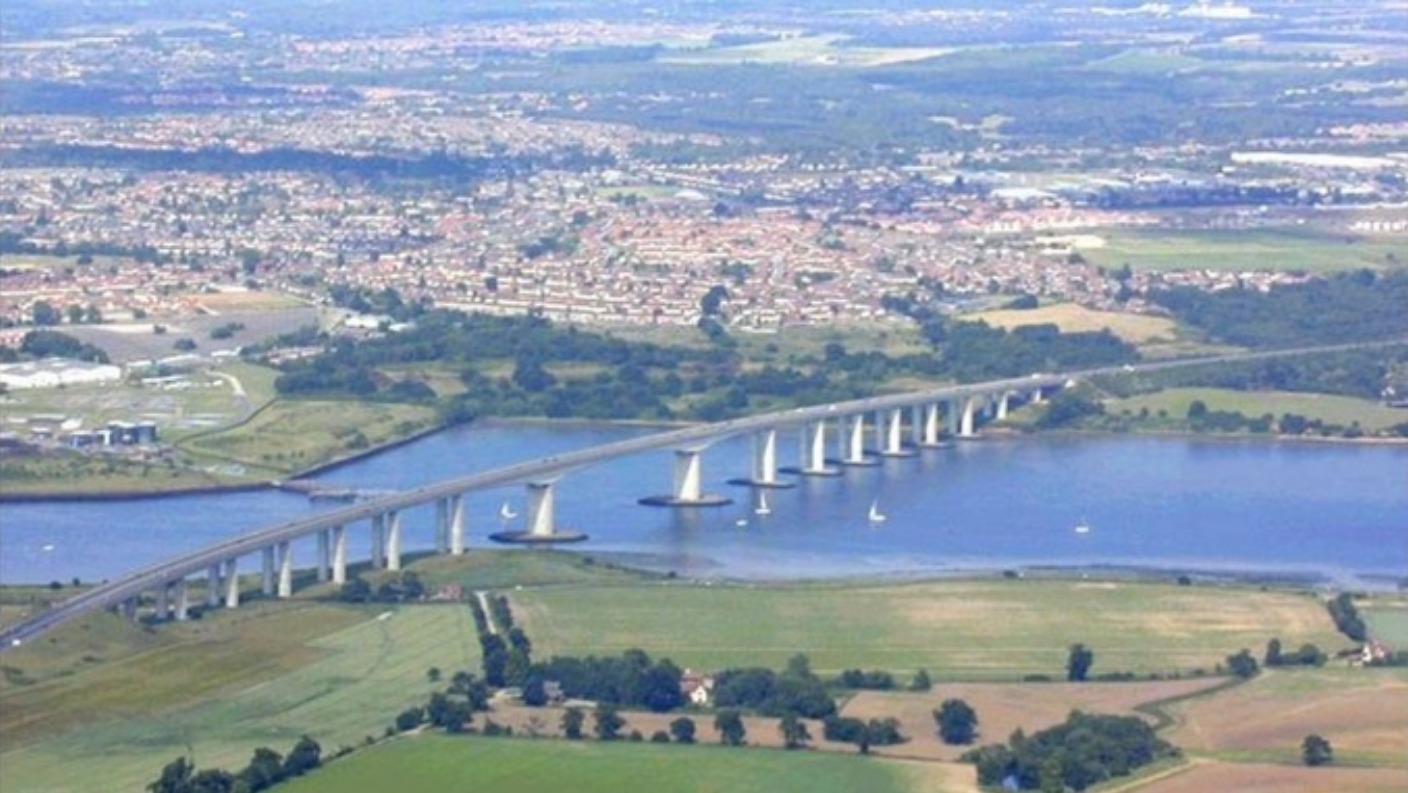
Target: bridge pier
{"type": "Point", "coordinates": [929, 434]}
{"type": "Point", "coordinates": [969, 419]}
{"type": "Point", "coordinates": [378, 542]}
{"type": "Point", "coordinates": [232, 583]}
{"type": "Point", "coordinates": [285, 570]}
{"type": "Point", "coordinates": [339, 555]}
{"type": "Point", "coordinates": [182, 603]}
{"type": "Point", "coordinates": [893, 441]}
{"type": "Point", "coordinates": [1038, 396]}
{"type": "Point", "coordinates": [688, 484]}
{"type": "Point", "coordinates": [764, 472]}
{"type": "Point", "coordinates": [163, 602]}
{"type": "Point", "coordinates": [811, 456]}
{"type": "Point", "coordinates": [1002, 405]}
{"type": "Point", "coordinates": [457, 524]}
{"type": "Point", "coordinates": [393, 541]}
{"type": "Point", "coordinates": [542, 527]}
{"type": "Point", "coordinates": [853, 440]}
{"type": "Point", "coordinates": [324, 559]}
{"type": "Point", "coordinates": [267, 577]}
{"type": "Point", "coordinates": [442, 524]}
{"type": "Point", "coordinates": [128, 609]}
{"type": "Point", "coordinates": [212, 585]}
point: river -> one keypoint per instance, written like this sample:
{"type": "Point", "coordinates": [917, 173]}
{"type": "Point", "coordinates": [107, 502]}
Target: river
{"type": "Point", "coordinates": [1336, 512]}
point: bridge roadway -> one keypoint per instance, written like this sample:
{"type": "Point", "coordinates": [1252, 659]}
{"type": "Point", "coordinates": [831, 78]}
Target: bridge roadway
{"type": "Point", "coordinates": [548, 468]}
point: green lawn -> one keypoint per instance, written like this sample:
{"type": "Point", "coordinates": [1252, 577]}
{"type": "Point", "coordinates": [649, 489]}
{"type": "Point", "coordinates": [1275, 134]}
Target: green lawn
{"type": "Point", "coordinates": [964, 630]}
{"type": "Point", "coordinates": [222, 698]}
{"type": "Point", "coordinates": [1340, 410]}
{"type": "Point", "coordinates": [1246, 250]}
{"type": "Point", "coordinates": [429, 763]}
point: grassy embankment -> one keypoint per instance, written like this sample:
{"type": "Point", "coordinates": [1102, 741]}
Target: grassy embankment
{"type": "Point", "coordinates": [1173, 404]}
{"type": "Point", "coordinates": [106, 700]}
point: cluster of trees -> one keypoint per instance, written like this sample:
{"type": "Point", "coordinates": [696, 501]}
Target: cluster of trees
{"type": "Point", "coordinates": [1315, 750]}
{"type": "Point", "coordinates": [266, 769]}
{"type": "Point", "coordinates": [796, 690]}
{"type": "Point", "coordinates": [505, 663]}
{"type": "Point", "coordinates": [1083, 751]}
{"type": "Point", "coordinates": [1357, 306]}
{"type": "Point", "coordinates": [864, 734]}
{"type": "Point", "coordinates": [1067, 407]}
{"type": "Point", "coordinates": [400, 588]}
{"type": "Point", "coordinates": [54, 344]}
{"type": "Point", "coordinates": [874, 679]}
{"type": "Point", "coordinates": [957, 721]}
{"type": "Point", "coordinates": [1242, 664]}
{"type": "Point", "coordinates": [451, 710]}
{"type": "Point", "coordinates": [227, 330]}
{"type": "Point", "coordinates": [1079, 659]}
{"type": "Point", "coordinates": [1346, 617]}
{"type": "Point", "coordinates": [1307, 655]}
{"type": "Point", "coordinates": [974, 351]}
{"type": "Point", "coordinates": [631, 681]}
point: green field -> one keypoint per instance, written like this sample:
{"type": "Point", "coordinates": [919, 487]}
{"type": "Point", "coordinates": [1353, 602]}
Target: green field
{"type": "Point", "coordinates": [1388, 623]}
{"type": "Point", "coordinates": [254, 681]}
{"type": "Point", "coordinates": [429, 763]}
{"type": "Point", "coordinates": [292, 435]}
{"type": "Point", "coordinates": [1246, 250]}
{"type": "Point", "coordinates": [961, 630]}
{"type": "Point", "coordinates": [1340, 410]}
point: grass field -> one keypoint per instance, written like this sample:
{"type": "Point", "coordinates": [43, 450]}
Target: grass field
{"type": "Point", "coordinates": [1361, 711]}
{"type": "Point", "coordinates": [1137, 329]}
{"type": "Point", "coordinates": [1372, 416]}
{"type": "Point", "coordinates": [1201, 777]}
{"type": "Point", "coordinates": [292, 435]}
{"type": "Point", "coordinates": [1245, 250]}
{"type": "Point", "coordinates": [968, 630]}
{"type": "Point", "coordinates": [444, 763]}
{"type": "Point", "coordinates": [338, 674]}
{"type": "Point", "coordinates": [1388, 622]}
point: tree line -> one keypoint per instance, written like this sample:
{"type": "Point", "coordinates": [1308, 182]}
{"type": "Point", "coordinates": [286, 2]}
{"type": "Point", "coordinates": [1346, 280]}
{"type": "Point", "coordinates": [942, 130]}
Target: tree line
{"type": "Point", "coordinates": [266, 769]}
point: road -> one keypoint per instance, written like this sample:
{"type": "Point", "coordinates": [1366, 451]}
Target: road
{"type": "Point", "coordinates": [550, 468]}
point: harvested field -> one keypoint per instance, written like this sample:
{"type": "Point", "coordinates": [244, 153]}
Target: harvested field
{"type": "Point", "coordinates": [1363, 712]}
{"type": "Point", "coordinates": [1263, 778]}
{"type": "Point", "coordinates": [1002, 708]}
{"type": "Point", "coordinates": [1070, 318]}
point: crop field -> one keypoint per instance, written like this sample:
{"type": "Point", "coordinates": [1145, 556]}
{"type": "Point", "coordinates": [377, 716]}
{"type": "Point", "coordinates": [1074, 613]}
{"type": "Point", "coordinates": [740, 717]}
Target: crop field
{"type": "Point", "coordinates": [826, 50]}
{"type": "Point", "coordinates": [1361, 711]}
{"type": "Point", "coordinates": [1235, 251]}
{"type": "Point", "coordinates": [1137, 329]}
{"type": "Point", "coordinates": [969, 630]}
{"type": "Point", "coordinates": [292, 435]}
{"type": "Point", "coordinates": [1341, 410]}
{"type": "Point", "coordinates": [447, 763]}
{"type": "Point", "coordinates": [337, 674]}
{"type": "Point", "coordinates": [1263, 778]}
{"type": "Point", "coordinates": [1002, 708]}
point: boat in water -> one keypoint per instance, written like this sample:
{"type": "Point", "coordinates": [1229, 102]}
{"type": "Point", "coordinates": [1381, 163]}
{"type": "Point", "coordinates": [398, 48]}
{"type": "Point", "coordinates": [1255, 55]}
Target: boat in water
{"type": "Point", "coordinates": [1082, 527]}
{"type": "Point", "coordinates": [506, 512]}
{"type": "Point", "coordinates": [763, 508]}
{"type": "Point", "coordinates": [875, 515]}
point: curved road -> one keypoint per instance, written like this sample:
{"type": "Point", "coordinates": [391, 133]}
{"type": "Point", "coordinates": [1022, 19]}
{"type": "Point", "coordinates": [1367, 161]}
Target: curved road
{"type": "Point", "coordinates": [149, 578]}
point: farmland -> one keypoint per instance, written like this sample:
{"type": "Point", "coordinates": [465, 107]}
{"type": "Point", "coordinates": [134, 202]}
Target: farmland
{"type": "Point", "coordinates": [1137, 329]}
{"type": "Point", "coordinates": [1339, 410]}
{"type": "Point", "coordinates": [970, 630]}
{"type": "Point", "coordinates": [1235, 251]}
{"type": "Point", "coordinates": [431, 763]}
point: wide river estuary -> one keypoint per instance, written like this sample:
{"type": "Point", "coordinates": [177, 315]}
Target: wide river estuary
{"type": "Point", "coordinates": [1335, 512]}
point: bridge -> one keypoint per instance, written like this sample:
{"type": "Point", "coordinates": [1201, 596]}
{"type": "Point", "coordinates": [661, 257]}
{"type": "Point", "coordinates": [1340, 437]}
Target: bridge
{"type": "Point", "coordinates": [900, 423]}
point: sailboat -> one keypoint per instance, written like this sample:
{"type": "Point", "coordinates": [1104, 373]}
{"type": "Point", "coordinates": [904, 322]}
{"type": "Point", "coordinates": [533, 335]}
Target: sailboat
{"type": "Point", "coordinates": [1082, 527]}
{"type": "Point", "coordinates": [875, 516]}
{"type": "Point", "coordinates": [506, 512]}
{"type": "Point", "coordinates": [763, 508]}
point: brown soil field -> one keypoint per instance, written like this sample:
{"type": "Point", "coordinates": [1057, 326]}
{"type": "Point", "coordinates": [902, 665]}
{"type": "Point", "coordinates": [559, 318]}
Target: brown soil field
{"type": "Point", "coordinates": [1002, 708]}
{"type": "Point", "coordinates": [1263, 778]}
{"type": "Point", "coordinates": [1363, 713]}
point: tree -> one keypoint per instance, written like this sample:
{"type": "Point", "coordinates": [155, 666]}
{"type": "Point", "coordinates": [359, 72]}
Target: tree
{"type": "Point", "coordinates": [1078, 663]}
{"type": "Point", "coordinates": [535, 692]}
{"type": "Point", "coordinates": [175, 777]}
{"type": "Point", "coordinates": [921, 681]}
{"type": "Point", "coordinates": [1273, 653]}
{"type": "Point", "coordinates": [572, 720]}
{"type": "Point", "coordinates": [1315, 750]}
{"type": "Point", "coordinates": [794, 732]}
{"type": "Point", "coordinates": [44, 313]}
{"type": "Point", "coordinates": [75, 314]}
{"type": "Point", "coordinates": [1242, 664]}
{"type": "Point", "coordinates": [682, 729]}
{"type": "Point", "coordinates": [607, 723]}
{"type": "Point", "coordinates": [958, 722]}
{"type": "Point", "coordinates": [305, 756]}
{"type": "Point", "coordinates": [729, 723]}
{"type": "Point", "coordinates": [265, 770]}
{"type": "Point", "coordinates": [409, 719]}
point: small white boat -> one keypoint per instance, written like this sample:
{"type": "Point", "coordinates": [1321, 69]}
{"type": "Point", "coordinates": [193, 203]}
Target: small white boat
{"type": "Point", "coordinates": [875, 515]}
{"type": "Point", "coordinates": [506, 512]}
{"type": "Point", "coordinates": [47, 548]}
{"type": "Point", "coordinates": [763, 508]}
{"type": "Point", "coordinates": [1082, 527]}
{"type": "Point", "coordinates": [741, 522]}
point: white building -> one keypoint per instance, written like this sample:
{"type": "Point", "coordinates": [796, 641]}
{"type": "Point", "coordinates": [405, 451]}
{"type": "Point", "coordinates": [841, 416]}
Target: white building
{"type": "Point", "coordinates": [55, 372]}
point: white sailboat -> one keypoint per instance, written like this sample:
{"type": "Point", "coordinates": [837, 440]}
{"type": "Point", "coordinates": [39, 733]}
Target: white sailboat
{"type": "Point", "coordinates": [506, 512]}
{"type": "Point", "coordinates": [1082, 527]}
{"type": "Point", "coordinates": [763, 508]}
{"type": "Point", "coordinates": [875, 515]}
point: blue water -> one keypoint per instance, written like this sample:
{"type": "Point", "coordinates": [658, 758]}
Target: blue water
{"type": "Point", "coordinates": [1332, 510]}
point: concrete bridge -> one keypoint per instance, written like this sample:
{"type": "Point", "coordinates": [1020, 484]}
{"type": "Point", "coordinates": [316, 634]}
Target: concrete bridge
{"type": "Point", "coordinates": [898, 424]}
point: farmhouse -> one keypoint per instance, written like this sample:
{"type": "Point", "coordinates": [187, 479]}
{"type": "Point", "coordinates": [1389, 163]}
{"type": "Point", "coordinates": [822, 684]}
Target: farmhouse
{"type": "Point", "coordinates": [697, 688]}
